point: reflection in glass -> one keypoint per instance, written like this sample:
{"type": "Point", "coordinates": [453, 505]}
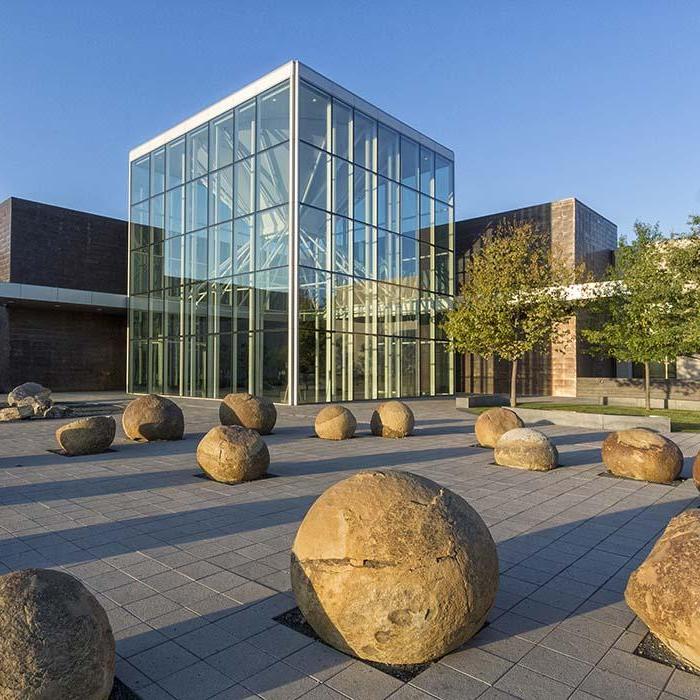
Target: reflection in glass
{"type": "Point", "coordinates": [409, 163]}
{"type": "Point", "coordinates": [363, 366]}
{"type": "Point", "coordinates": [272, 370]}
{"type": "Point", "coordinates": [220, 251]}
{"type": "Point", "coordinates": [313, 344]}
{"type": "Point", "coordinates": [245, 130]}
{"type": "Point", "coordinates": [342, 187]}
{"type": "Point", "coordinates": [158, 218]}
{"type": "Point", "coordinates": [363, 189]}
{"type": "Point", "coordinates": [444, 188]}
{"type": "Point", "coordinates": [221, 203]}
{"type": "Point", "coordinates": [157, 171]}
{"type": "Point", "coordinates": [196, 256]}
{"type": "Point", "coordinates": [222, 141]}
{"type": "Point", "coordinates": [138, 224]}
{"type": "Point", "coordinates": [427, 166]}
{"type": "Point", "coordinates": [409, 312]}
{"type": "Point", "coordinates": [365, 306]}
{"type": "Point", "coordinates": [172, 266]}
{"type": "Point", "coordinates": [409, 368]}
{"type": "Point", "coordinates": [314, 177]}
{"type": "Point", "coordinates": [273, 117]}
{"type": "Point", "coordinates": [157, 281]}
{"type": "Point", "coordinates": [442, 224]}
{"type": "Point", "coordinates": [273, 176]}
{"type": "Point", "coordinates": [271, 238]}
{"type": "Point", "coordinates": [388, 204]}
{"type": "Point", "coordinates": [341, 245]}
{"type": "Point", "coordinates": [242, 244]}
{"type": "Point", "coordinates": [365, 135]}
{"type": "Point", "coordinates": [341, 302]}
{"type": "Point", "coordinates": [409, 212]}
{"type": "Point", "coordinates": [175, 161]}
{"type": "Point", "coordinates": [197, 195]}
{"type": "Point", "coordinates": [342, 129]}
{"type": "Point", "coordinates": [409, 261]}
{"type": "Point", "coordinates": [139, 271]}
{"type": "Point", "coordinates": [175, 212]}
{"type": "Point", "coordinates": [140, 179]}
{"type": "Point", "coordinates": [314, 116]}
{"type": "Point", "coordinates": [364, 251]}
{"type": "Point", "coordinates": [198, 152]}
{"type": "Point", "coordinates": [314, 226]}
{"type": "Point", "coordinates": [341, 366]}
{"type": "Point", "coordinates": [388, 152]}
{"type": "Point", "coordinates": [426, 219]}
{"type": "Point", "coordinates": [244, 183]}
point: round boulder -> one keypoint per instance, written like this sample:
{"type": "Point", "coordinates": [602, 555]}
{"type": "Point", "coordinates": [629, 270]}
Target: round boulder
{"type": "Point", "coordinates": [665, 590]}
{"type": "Point", "coordinates": [493, 423]}
{"type": "Point", "coordinates": [391, 567]}
{"type": "Point", "coordinates": [28, 390]}
{"type": "Point", "coordinates": [153, 417]}
{"type": "Point", "coordinates": [642, 454]}
{"type": "Point", "coordinates": [526, 448]}
{"type": "Point", "coordinates": [392, 419]}
{"type": "Point", "coordinates": [255, 412]}
{"type": "Point", "coordinates": [87, 436]}
{"type": "Point", "coordinates": [335, 423]}
{"type": "Point", "coordinates": [56, 639]}
{"type": "Point", "coordinates": [231, 454]}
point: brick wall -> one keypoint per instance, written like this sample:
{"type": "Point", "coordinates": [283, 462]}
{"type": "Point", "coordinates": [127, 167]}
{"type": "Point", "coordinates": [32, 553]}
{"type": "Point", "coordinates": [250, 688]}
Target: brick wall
{"type": "Point", "coordinates": [64, 350]}
{"type": "Point", "coordinates": [5, 212]}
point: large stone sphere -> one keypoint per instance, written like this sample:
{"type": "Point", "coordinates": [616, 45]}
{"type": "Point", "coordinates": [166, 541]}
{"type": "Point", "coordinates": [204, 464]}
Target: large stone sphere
{"type": "Point", "coordinates": [390, 567]}
{"type": "Point", "coordinates": [87, 436]}
{"type": "Point", "coordinates": [392, 419]}
{"type": "Point", "coordinates": [642, 454]}
{"type": "Point", "coordinates": [493, 423]}
{"type": "Point", "coordinates": [153, 417]}
{"type": "Point", "coordinates": [231, 454]}
{"type": "Point", "coordinates": [696, 471]}
{"type": "Point", "coordinates": [56, 640]}
{"type": "Point", "coordinates": [255, 412]}
{"type": "Point", "coordinates": [335, 423]}
{"type": "Point", "coordinates": [526, 448]}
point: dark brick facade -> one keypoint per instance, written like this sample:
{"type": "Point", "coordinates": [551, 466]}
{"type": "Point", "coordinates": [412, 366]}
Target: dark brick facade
{"type": "Point", "coordinates": [66, 347]}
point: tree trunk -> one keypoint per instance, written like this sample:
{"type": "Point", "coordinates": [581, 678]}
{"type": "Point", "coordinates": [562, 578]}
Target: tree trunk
{"type": "Point", "coordinates": [647, 387]}
{"type": "Point", "coordinates": [513, 383]}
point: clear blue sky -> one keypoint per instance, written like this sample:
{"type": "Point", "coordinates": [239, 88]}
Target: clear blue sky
{"type": "Point", "coordinates": [539, 100]}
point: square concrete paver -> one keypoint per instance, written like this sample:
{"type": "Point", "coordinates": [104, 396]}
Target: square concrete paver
{"type": "Point", "coordinates": [193, 573]}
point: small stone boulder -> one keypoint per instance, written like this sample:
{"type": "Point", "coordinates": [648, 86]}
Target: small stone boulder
{"type": "Point", "coordinates": [665, 590]}
{"type": "Point", "coordinates": [391, 567]}
{"type": "Point", "coordinates": [15, 413]}
{"type": "Point", "coordinates": [392, 419]}
{"type": "Point", "coordinates": [153, 417]}
{"type": "Point", "coordinates": [26, 390]}
{"type": "Point", "coordinates": [39, 406]}
{"type": "Point", "coordinates": [526, 448]}
{"type": "Point", "coordinates": [58, 411]}
{"type": "Point", "coordinates": [335, 423]}
{"type": "Point", "coordinates": [254, 412]}
{"type": "Point", "coordinates": [56, 640]}
{"type": "Point", "coordinates": [87, 436]}
{"type": "Point", "coordinates": [642, 454]}
{"type": "Point", "coordinates": [231, 454]}
{"type": "Point", "coordinates": [493, 423]}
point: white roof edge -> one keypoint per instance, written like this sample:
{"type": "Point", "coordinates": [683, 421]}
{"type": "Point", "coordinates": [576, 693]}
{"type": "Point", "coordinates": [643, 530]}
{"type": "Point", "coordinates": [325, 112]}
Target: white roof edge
{"type": "Point", "coordinates": [270, 80]}
{"type": "Point", "coordinates": [235, 98]}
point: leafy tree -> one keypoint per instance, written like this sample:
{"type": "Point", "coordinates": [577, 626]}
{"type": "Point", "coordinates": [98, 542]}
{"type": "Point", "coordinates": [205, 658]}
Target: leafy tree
{"type": "Point", "coordinates": [652, 305]}
{"type": "Point", "coordinates": [514, 299]}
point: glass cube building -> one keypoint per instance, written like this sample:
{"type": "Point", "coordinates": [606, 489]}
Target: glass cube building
{"type": "Point", "coordinates": [292, 241]}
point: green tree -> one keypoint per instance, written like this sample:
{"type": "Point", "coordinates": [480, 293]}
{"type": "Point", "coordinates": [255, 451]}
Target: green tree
{"type": "Point", "coordinates": [652, 301]}
{"type": "Point", "coordinates": [514, 299]}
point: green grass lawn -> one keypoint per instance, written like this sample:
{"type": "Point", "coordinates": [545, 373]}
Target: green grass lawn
{"type": "Point", "coordinates": [680, 420]}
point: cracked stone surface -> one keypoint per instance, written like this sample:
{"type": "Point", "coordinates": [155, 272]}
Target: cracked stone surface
{"type": "Point", "coordinates": [254, 412]}
{"type": "Point", "coordinates": [491, 424]}
{"type": "Point", "coordinates": [153, 417]}
{"type": "Point", "coordinates": [390, 567]}
{"type": "Point", "coordinates": [231, 454]}
{"type": "Point", "coordinates": [392, 419]}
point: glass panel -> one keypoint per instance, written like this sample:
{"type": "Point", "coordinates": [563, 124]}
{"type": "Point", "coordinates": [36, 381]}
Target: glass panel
{"type": "Point", "coordinates": [139, 367]}
{"type": "Point", "coordinates": [342, 302]}
{"type": "Point", "coordinates": [173, 261]}
{"type": "Point", "coordinates": [221, 203]}
{"type": "Point", "coordinates": [242, 303]}
{"type": "Point", "coordinates": [198, 152]}
{"type": "Point", "coordinates": [365, 306]}
{"type": "Point", "coordinates": [388, 366]}
{"type": "Point", "coordinates": [314, 177]}
{"type": "Point", "coordinates": [244, 182]}
{"type": "Point", "coordinates": [363, 367]}
{"type": "Point", "coordinates": [409, 261]}
{"type": "Point", "coordinates": [241, 379]}
{"type": "Point", "coordinates": [158, 218]}
{"type": "Point", "coordinates": [388, 256]}
{"type": "Point", "coordinates": [220, 251]}
{"type": "Point", "coordinates": [427, 363]}
{"type": "Point", "coordinates": [157, 171]}
{"type": "Point", "coordinates": [271, 238]}
{"type": "Point", "coordinates": [139, 271]}
{"type": "Point", "coordinates": [312, 335]}
{"type": "Point", "coordinates": [245, 130]}
{"type": "Point", "coordinates": [442, 271]}
{"type": "Point", "coordinates": [409, 368]}
{"type": "Point", "coordinates": [365, 135]}
{"type": "Point", "coordinates": [427, 315]}
{"type": "Point", "coordinates": [175, 160]}
{"type": "Point", "coordinates": [242, 244]}
{"type": "Point", "coordinates": [140, 179]}
{"type": "Point", "coordinates": [196, 256]}
{"type": "Point", "coordinates": [388, 204]}
{"type": "Point", "coordinates": [157, 281]}
{"type": "Point", "coordinates": [195, 365]}
{"type": "Point", "coordinates": [442, 225]}
{"type": "Point", "coordinates": [426, 266]}
{"type": "Point", "coordinates": [171, 369]}
{"type": "Point", "coordinates": [314, 227]}
{"type": "Point", "coordinates": [273, 176]}
{"type": "Point", "coordinates": [444, 188]}
{"type": "Point", "coordinates": [173, 311]}
{"type": "Point", "coordinates": [341, 364]}
{"type": "Point", "coordinates": [342, 187]}
{"type": "Point", "coordinates": [409, 312]}
{"type": "Point", "coordinates": [219, 352]}
{"type": "Point", "coordinates": [273, 117]}
{"type": "Point", "coordinates": [272, 290]}
{"type": "Point", "coordinates": [219, 307]}
{"type": "Point", "coordinates": [342, 129]}
{"type": "Point", "coordinates": [222, 141]}
{"type": "Point", "coordinates": [409, 212]}
{"type": "Point", "coordinates": [364, 246]}
{"type": "Point", "coordinates": [314, 116]}
{"type": "Point", "coordinates": [138, 317]}
{"type": "Point", "coordinates": [426, 219]}
{"type": "Point", "coordinates": [341, 245]}
{"type": "Point", "coordinates": [388, 152]}
{"type": "Point", "coordinates": [274, 364]}
{"type": "Point", "coordinates": [427, 166]}
{"type": "Point", "coordinates": [197, 195]}
{"type": "Point", "coordinates": [388, 309]}
{"type": "Point", "coordinates": [195, 309]}
{"type": "Point", "coordinates": [175, 212]}
{"type": "Point", "coordinates": [364, 186]}
{"type": "Point", "coordinates": [155, 304]}
{"type": "Point", "coordinates": [138, 223]}
{"type": "Point", "coordinates": [442, 306]}
{"type": "Point", "coordinates": [443, 369]}
{"type": "Point", "coordinates": [409, 163]}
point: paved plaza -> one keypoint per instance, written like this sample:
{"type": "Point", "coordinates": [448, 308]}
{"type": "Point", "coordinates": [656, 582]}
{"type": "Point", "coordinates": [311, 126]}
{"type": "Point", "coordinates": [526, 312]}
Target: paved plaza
{"type": "Point", "coordinates": [193, 573]}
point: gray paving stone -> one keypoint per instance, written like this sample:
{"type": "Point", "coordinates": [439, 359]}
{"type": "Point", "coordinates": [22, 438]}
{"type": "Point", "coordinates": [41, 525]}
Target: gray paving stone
{"type": "Point", "coordinates": [446, 683]}
{"type": "Point", "coordinates": [610, 686]}
{"type": "Point", "coordinates": [362, 682]}
{"type": "Point", "coordinates": [684, 685]}
{"type": "Point", "coordinates": [529, 685]}
{"type": "Point", "coordinates": [163, 660]}
{"type": "Point", "coordinates": [197, 682]}
{"type": "Point", "coordinates": [279, 682]}
{"type": "Point", "coordinates": [319, 661]}
{"type": "Point", "coordinates": [556, 666]}
{"type": "Point", "coordinates": [477, 663]}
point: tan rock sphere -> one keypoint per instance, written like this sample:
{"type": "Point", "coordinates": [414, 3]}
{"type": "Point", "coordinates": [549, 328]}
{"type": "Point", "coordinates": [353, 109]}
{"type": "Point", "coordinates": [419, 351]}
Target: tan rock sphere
{"type": "Point", "coordinates": [392, 419]}
{"type": "Point", "coordinates": [56, 640]}
{"type": "Point", "coordinates": [255, 412]}
{"type": "Point", "coordinates": [493, 423]}
{"type": "Point", "coordinates": [665, 590]}
{"type": "Point", "coordinates": [87, 436]}
{"type": "Point", "coordinates": [231, 454]}
{"type": "Point", "coordinates": [642, 454]}
{"type": "Point", "coordinates": [526, 448]}
{"type": "Point", "coordinates": [335, 423]}
{"type": "Point", "coordinates": [390, 567]}
{"type": "Point", "coordinates": [153, 417]}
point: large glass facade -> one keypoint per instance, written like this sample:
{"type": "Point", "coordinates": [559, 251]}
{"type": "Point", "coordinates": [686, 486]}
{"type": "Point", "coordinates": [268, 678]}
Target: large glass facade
{"type": "Point", "coordinates": [362, 211]}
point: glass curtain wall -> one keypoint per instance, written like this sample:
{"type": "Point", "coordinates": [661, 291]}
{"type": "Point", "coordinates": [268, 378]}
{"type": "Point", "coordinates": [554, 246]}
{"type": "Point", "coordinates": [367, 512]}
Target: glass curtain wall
{"type": "Point", "coordinates": [209, 241]}
{"type": "Point", "coordinates": [376, 242]}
